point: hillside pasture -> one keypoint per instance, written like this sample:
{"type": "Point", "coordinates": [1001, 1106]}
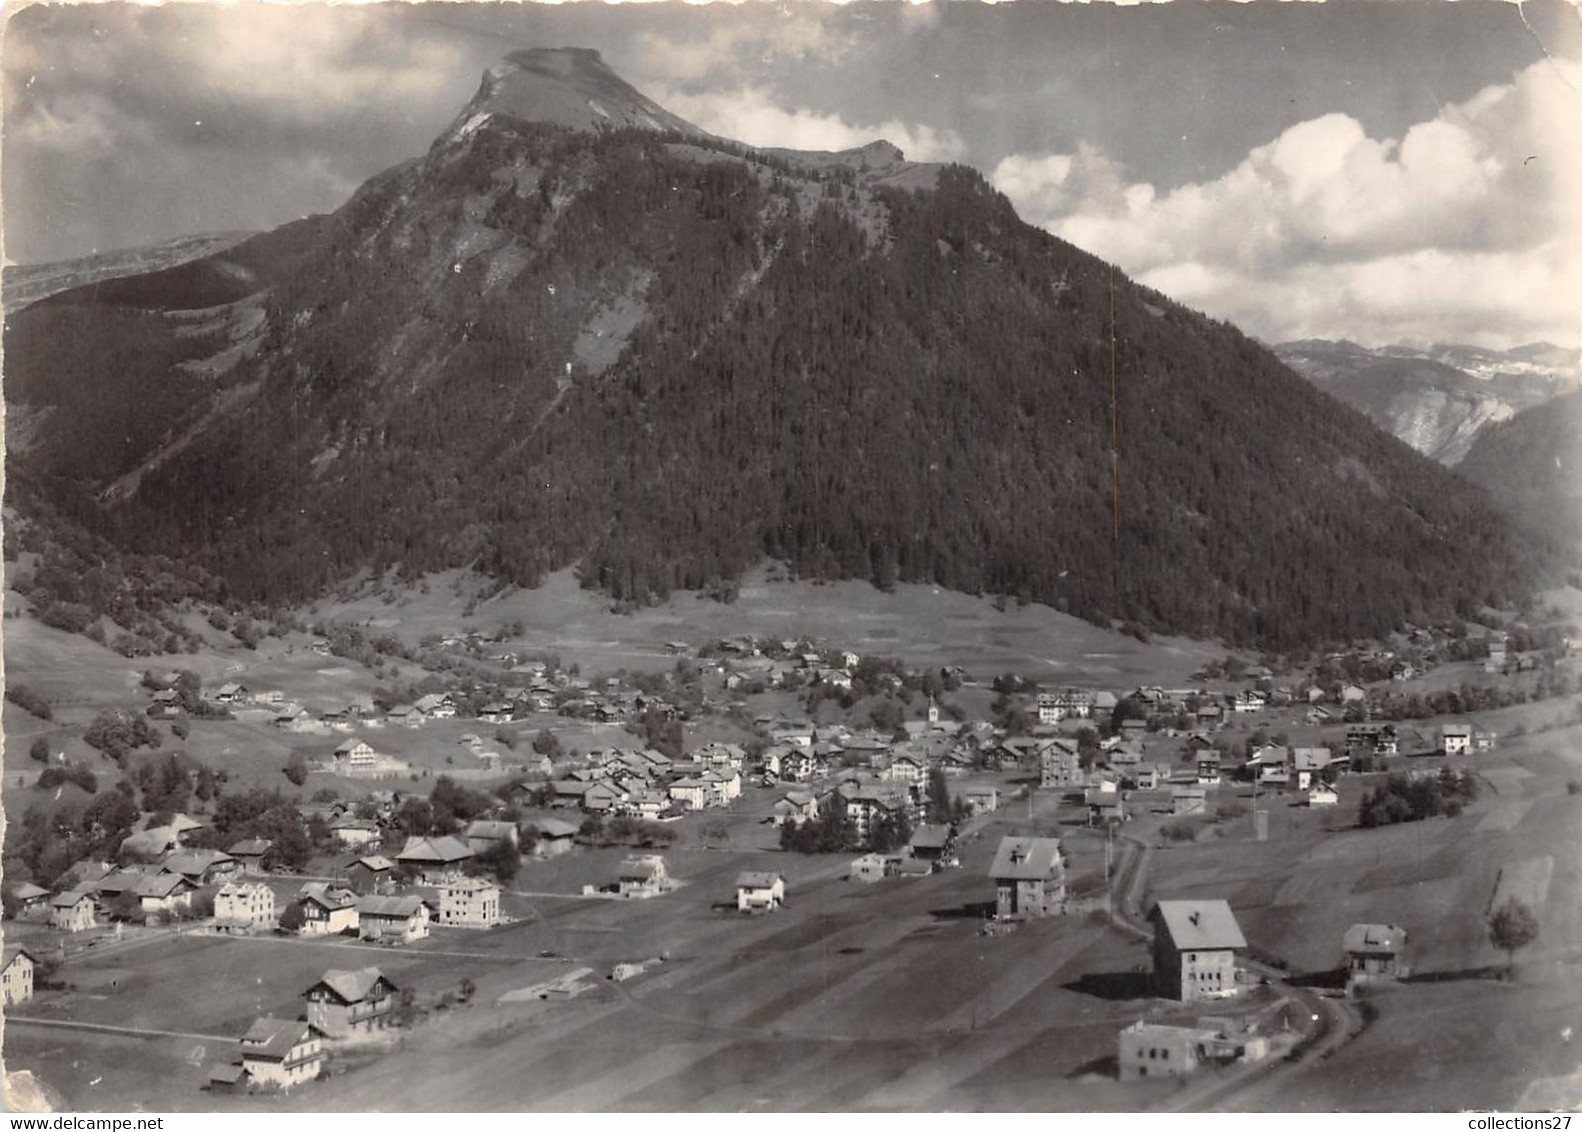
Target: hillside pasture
{"type": "Point", "coordinates": [923, 625]}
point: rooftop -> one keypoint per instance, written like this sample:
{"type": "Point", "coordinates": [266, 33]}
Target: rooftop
{"type": "Point", "coordinates": [434, 850]}
{"type": "Point", "coordinates": [272, 1039]}
{"type": "Point", "coordinates": [399, 906]}
{"type": "Point", "coordinates": [1199, 924]}
{"type": "Point", "coordinates": [1027, 858]}
{"type": "Point", "coordinates": [352, 986]}
{"type": "Point", "coordinates": [1374, 939]}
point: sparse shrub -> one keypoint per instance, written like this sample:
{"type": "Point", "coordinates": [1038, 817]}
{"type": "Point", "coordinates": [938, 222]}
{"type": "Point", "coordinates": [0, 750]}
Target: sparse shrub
{"type": "Point", "coordinates": [67, 615]}
{"type": "Point", "coordinates": [1178, 831]}
{"type": "Point", "coordinates": [292, 918]}
{"type": "Point", "coordinates": [1574, 787]}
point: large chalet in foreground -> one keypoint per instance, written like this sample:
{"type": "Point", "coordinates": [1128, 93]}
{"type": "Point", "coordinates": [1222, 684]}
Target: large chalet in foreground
{"type": "Point", "coordinates": [1194, 952]}
{"type": "Point", "coordinates": [274, 1053]}
{"type": "Point", "coordinates": [344, 1004]}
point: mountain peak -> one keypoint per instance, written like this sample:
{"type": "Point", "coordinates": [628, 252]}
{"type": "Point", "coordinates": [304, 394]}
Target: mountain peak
{"type": "Point", "coordinates": [563, 86]}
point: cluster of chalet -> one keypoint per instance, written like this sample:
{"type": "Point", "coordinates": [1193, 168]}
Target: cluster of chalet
{"type": "Point", "coordinates": [800, 752]}
{"type": "Point", "coordinates": [1178, 1049]}
{"type": "Point", "coordinates": [165, 702]}
{"type": "Point", "coordinates": [647, 784]}
{"type": "Point", "coordinates": [1120, 780]}
{"type": "Point", "coordinates": [865, 799]}
{"type": "Point", "coordinates": [160, 875]}
{"type": "Point", "coordinates": [157, 881]}
{"type": "Point", "coordinates": [745, 661]}
{"type": "Point", "coordinates": [281, 1053]}
{"type": "Point", "coordinates": [373, 904]}
{"type": "Point", "coordinates": [931, 848]}
{"type": "Point", "coordinates": [1073, 703]}
{"type": "Point", "coordinates": [382, 913]}
{"type": "Point", "coordinates": [1195, 948]}
{"type": "Point", "coordinates": [542, 692]}
{"type": "Point", "coordinates": [424, 857]}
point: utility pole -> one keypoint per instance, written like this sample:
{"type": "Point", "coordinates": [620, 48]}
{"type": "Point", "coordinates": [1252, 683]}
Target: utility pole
{"type": "Point", "coordinates": [1109, 888]}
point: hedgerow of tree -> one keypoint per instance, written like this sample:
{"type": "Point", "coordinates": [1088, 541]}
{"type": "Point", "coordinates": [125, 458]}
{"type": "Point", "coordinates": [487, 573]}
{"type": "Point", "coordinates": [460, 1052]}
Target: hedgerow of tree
{"type": "Point", "coordinates": [1402, 797]}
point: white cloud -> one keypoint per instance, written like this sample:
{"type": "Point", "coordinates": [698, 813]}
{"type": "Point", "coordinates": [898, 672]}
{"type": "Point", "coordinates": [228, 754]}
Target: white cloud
{"type": "Point", "coordinates": [1469, 226]}
{"type": "Point", "coordinates": [748, 114]}
{"type": "Point", "coordinates": [308, 56]}
{"type": "Point", "coordinates": [791, 32]}
{"type": "Point", "coordinates": [84, 124]}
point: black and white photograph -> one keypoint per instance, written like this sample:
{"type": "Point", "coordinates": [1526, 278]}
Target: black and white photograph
{"type": "Point", "coordinates": [792, 557]}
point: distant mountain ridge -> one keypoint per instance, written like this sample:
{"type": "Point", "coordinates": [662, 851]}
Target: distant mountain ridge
{"type": "Point", "coordinates": [1436, 398]}
{"type": "Point", "coordinates": [565, 337]}
{"type": "Point", "coordinates": [28, 283]}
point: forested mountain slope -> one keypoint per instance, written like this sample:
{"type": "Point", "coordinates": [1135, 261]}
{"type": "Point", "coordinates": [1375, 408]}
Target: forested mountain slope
{"type": "Point", "coordinates": [1532, 465]}
{"type": "Point", "coordinates": [660, 356]}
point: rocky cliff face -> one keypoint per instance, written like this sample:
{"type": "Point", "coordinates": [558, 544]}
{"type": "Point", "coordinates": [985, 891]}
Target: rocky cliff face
{"type": "Point", "coordinates": [1437, 398]}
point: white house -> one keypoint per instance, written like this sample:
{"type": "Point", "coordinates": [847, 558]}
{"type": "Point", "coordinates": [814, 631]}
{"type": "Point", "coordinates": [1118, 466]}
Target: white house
{"type": "Point", "coordinates": [1250, 700]}
{"type": "Point", "coordinates": [759, 891]}
{"type": "Point", "coordinates": [282, 1053]}
{"type": "Point", "coordinates": [642, 875]}
{"type": "Point", "coordinates": [244, 906]}
{"type": "Point", "coordinates": [1456, 738]}
{"type": "Point", "coordinates": [437, 705]}
{"type": "Point", "coordinates": [16, 975]}
{"type": "Point", "coordinates": [354, 833]}
{"type": "Point", "coordinates": [72, 911]}
{"type": "Point", "coordinates": [396, 919]}
{"type": "Point", "coordinates": [355, 757]}
{"type": "Point", "coordinates": [469, 902]}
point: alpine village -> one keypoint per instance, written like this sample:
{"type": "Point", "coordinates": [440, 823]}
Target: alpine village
{"type": "Point", "coordinates": [615, 618]}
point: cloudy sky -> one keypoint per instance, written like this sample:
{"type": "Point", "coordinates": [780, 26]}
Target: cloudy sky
{"type": "Point", "coordinates": [1381, 170]}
